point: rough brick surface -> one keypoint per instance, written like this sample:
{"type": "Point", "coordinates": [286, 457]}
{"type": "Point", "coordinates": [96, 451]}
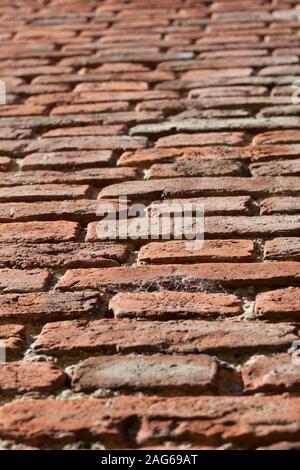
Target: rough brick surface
{"type": "Point", "coordinates": [48, 305]}
{"type": "Point", "coordinates": [62, 421]}
{"type": "Point", "coordinates": [19, 377]}
{"type": "Point", "coordinates": [166, 374]}
{"type": "Point", "coordinates": [165, 305]}
{"type": "Point", "coordinates": [281, 303]}
{"type": "Point", "coordinates": [277, 373]}
{"type": "Point", "coordinates": [212, 250]}
{"type": "Point", "coordinates": [159, 103]}
{"type": "Point", "coordinates": [170, 337]}
{"type": "Point", "coordinates": [183, 277]}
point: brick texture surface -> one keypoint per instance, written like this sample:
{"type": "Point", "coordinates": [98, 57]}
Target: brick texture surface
{"type": "Point", "coordinates": [151, 342]}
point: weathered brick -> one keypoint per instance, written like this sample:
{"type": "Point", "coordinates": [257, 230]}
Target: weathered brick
{"type": "Point", "coordinates": [212, 73]}
{"type": "Point", "coordinates": [282, 249]}
{"type": "Point", "coordinates": [41, 192]}
{"type": "Point", "coordinates": [277, 137]}
{"type": "Point", "coordinates": [171, 305]}
{"type": "Point", "coordinates": [57, 144]}
{"type": "Point", "coordinates": [121, 85]}
{"type": "Point", "coordinates": [91, 108]}
{"type": "Point", "coordinates": [147, 157]}
{"type": "Point", "coordinates": [212, 250]}
{"type": "Point", "coordinates": [256, 186]}
{"type": "Point", "coordinates": [213, 92]}
{"type": "Point", "coordinates": [64, 160]}
{"type": "Point", "coordinates": [273, 205]}
{"type": "Point", "coordinates": [276, 168]}
{"type": "Point", "coordinates": [87, 130]}
{"type": "Point", "coordinates": [63, 255]}
{"type": "Point", "coordinates": [190, 336]}
{"type": "Point", "coordinates": [84, 210]}
{"type": "Point", "coordinates": [239, 226]}
{"type": "Point", "coordinates": [185, 277]}
{"type": "Point", "coordinates": [281, 304]}
{"type": "Point", "coordinates": [113, 96]}
{"type": "Point", "coordinates": [214, 125]}
{"type": "Point", "coordinates": [93, 176]}
{"type": "Point", "coordinates": [15, 133]}
{"type": "Point", "coordinates": [213, 138]}
{"type": "Point", "coordinates": [14, 147]}
{"type": "Point", "coordinates": [277, 373]}
{"type": "Point", "coordinates": [21, 377]}
{"type": "Point", "coordinates": [49, 306]}
{"type": "Point", "coordinates": [164, 374]}
{"type": "Point", "coordinates": [22, 110]}
{"type": "Point", "coordinates": [13, 338]}
{"type": "Point", "coordinates": [39, 232]}
{"type": "Point", "coordinates": [232, 205]}
{"type": "Point", "coordinates": [177, 418]}
{"type": "Point", "coordinates": [17, 280]}
{"type": "Point", "coordinates": [5, 163]}
{"type": "Point", "coordinates": [201, 168]}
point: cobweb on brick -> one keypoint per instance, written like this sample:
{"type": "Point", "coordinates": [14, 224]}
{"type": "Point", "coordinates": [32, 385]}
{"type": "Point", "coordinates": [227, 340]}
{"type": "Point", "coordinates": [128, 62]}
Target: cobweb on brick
{"type": "Point", "coordinates": [176, 282]}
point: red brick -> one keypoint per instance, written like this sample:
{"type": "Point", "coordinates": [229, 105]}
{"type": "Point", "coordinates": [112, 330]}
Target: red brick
{"type": "Point", "coordinates": [234, 205]}
{"type": "Point", "coordinates": [213, 227]}
{"type": "Point", "coordinates": [87, 130]}
{"type": "Point", "coordinates": [93, 176]}
{"type": "Point", "coordinates": [273, 205]}
{"type": "Point", "coordinates": [227, 91]}
{"type": "Point", "coordinates": [49, 99]}
{"type": "Point", "coordinates": [277, 373]}
{"type": "Point", "coordinates": [190, 336]}
{"type": "Point", "coordinates": [49, 306]}
{"type": "Point", "coordinates": [91, 108]}
{"type": "Point", "coordinates": [63, 255]}
{"type": "Point", "coordinates": [277, 137]}
{"type": "Point", "coordinates": [13, 147]}
{"type": "Point", "coordinates": [39, 232]}
{"type": "Point", "coordinates": [120, 96]}
{"type": "Point", "coordinates": [179, 419]}
{"type": "Point", "coordinates": [280, 70]}
{"type": "Point", "coordinates": [212, 138]}
{"type": "Point", "coordinates": [22, 377]}
{"type": "Point", "coordinates": [55, 144]}
{"type": "Point", "coordinates": [146, 157]}
{"type": "Point", "coordinates": [13, 338]}
{"type": "Point", "coordinates": [17, 280]}
{"type": "Point", "coordinates": [63, 160]}
{"type": "Point", "coordinates": [172, 305]}
{"type": "Point", "coordinates": [206, 186]}
{"type": "Point", "coordinates": [22, 110]}
{"type": "Point", "coordinates": [184, 277]}
{"type": "Point", "coordinates": [14, 133]}
{"type": "Point", "coordinates": [201, 168]}
{"type": "Point", "coordinates": [121, 85]}
{"type": "Point", "coordinates": [164, 374]}
{"type": "Point", "coordinates": [41, 192]}
{"type": "Point", "coordinates": [84, 210]}
{"type": "Point", "coordinates": [281, 304]}
{"type": "Point", "coordinates": [276, 168]}
{"type": "Point", "coordinates": [282, 249]}
{"type": "Point", "coordinates": [5, 163]}
{"type": "Point", "coordinates": [212, 73]}
{"type": "Point", "coordinates": [212, 250]}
